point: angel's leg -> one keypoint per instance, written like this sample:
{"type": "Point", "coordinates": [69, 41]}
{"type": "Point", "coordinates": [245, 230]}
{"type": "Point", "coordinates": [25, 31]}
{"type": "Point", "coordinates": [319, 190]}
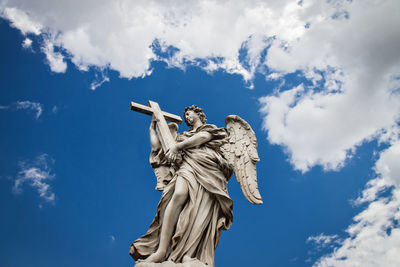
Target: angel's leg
{"type": "Point", "coordinates": [171, 216]}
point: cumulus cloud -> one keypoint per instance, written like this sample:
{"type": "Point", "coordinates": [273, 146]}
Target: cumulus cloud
{"type": "Point", "coordinates": [374, 237]}
{"type": "Point", "coordinates": [36, 174]}
{"type": "Point", "coordinates": [205, 30]}
{"type": "Point", "coordinates": [36, 107]}
{"type": "Point", "coordinates": [20, 20]}
{"type": "Point", "coordinates": [348, 57]}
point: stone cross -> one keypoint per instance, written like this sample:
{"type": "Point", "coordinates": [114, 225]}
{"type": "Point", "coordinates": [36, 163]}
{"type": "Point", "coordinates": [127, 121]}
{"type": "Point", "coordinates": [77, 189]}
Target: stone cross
{"type": "Point", "coordinates": [160, 117]}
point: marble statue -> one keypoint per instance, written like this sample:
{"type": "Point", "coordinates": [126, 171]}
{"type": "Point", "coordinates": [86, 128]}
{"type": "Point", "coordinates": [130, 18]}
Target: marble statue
{"type": "Point", "coordinates": [192, 170]}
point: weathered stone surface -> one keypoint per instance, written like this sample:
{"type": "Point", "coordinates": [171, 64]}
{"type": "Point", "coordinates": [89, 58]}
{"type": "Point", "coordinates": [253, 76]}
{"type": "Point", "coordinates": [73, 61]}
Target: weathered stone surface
{"type": "Point", "coordinates": [193, 263]}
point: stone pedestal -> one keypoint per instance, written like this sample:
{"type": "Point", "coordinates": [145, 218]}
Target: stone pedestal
{"type": "Point", "coordinates": [193, 263]}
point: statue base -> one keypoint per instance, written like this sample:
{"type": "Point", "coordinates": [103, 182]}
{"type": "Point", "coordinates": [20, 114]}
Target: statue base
{"type": "Point", "coordinates": [192, 263]}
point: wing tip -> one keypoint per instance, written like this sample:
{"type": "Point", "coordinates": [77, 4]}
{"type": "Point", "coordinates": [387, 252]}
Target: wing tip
{"type": "Point", "coordinates": [257, 201]}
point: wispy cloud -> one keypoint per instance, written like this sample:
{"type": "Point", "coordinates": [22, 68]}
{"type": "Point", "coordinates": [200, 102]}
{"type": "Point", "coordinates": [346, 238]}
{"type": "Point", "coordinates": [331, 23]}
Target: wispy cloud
{"type": "Point", "coordinates": [99, 80]}
{"type": "Point", "coordinates": [322, 240]}
{"type": "Point", "coordinates": [54, 109]}
{"type": "Point", "coordinates": [36, 107]}
{"type": "Point", "coordinates": [374, 237]}
{"type": "Point", "coordinates": [36, 174]}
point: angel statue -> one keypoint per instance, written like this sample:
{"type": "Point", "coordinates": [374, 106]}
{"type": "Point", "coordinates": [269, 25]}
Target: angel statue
{"type": "Point", "coordinates": [193, 174]}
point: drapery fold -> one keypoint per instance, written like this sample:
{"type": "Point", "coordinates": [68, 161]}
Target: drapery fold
{"type": "Point", "coordinates": [208, 209]}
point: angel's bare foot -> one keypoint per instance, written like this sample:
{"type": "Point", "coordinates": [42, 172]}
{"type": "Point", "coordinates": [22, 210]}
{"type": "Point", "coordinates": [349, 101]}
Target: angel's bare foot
{"type": "Point", "coordinates": [187, 258]}
{"type": "Point", "coordinates": [131, 250]}
{"type": "Point", "coordinates": [157, 256]}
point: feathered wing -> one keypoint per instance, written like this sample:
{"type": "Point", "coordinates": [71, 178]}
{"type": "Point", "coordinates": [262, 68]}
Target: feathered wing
{"type": "Point", "coordinates": [241, 152]}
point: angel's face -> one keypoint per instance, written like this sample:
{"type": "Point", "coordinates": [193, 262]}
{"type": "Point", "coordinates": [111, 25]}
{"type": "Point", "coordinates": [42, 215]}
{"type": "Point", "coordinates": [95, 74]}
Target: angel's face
{"type": "Point", "coordinates": [191, 117]}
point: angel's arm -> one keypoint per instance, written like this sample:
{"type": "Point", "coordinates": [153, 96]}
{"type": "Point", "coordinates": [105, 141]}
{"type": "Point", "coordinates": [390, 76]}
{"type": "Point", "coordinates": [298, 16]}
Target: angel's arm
{"type": "Point", "coordinates": [154, 141]}
{"type": "Point", "coordinates": [195, 140]}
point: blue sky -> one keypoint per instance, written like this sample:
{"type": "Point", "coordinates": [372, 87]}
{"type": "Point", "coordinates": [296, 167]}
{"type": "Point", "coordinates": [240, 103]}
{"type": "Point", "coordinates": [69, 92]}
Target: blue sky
{"type": "Point", "coordinates": [321, 95]}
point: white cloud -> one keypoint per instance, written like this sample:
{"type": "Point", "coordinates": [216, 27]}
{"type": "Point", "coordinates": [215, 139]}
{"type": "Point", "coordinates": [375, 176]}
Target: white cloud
{"type": "Point", "coordinates": [37, 174]}
{"type": "Point", "coordinates": [35, 106]}
{"type": "Point", "coordinates": [54, 59]}
{"type": "Point", "coordinates": [322, 240]}
{"type": "Point", "coordinates": [354, 68]}
{"type": "Point", "coordinates": [122, 41]}
{"type": "Point", "coordinates": [388, 164]}
{"type": "Point", "coordinates": [374, 238]}
{"type": "Point", "coordinates": [324, 127]}
{"type": "Point", "coordinates": [27, 105]}
{"type": "Point", "coordinates": [27, 43]}
{"type": "Point", "coordinates": [20, 20]}
{"type": "Point", "coordinates": [99, 80]}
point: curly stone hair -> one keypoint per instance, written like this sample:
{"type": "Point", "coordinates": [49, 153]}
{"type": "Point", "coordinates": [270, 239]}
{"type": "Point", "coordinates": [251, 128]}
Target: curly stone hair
{"type": "Point", "coordinates": [198, 111]}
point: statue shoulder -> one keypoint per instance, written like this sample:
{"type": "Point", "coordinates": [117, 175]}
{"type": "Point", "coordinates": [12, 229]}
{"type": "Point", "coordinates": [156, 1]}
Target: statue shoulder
{"type": "Point", "coordinates": [217, 133]}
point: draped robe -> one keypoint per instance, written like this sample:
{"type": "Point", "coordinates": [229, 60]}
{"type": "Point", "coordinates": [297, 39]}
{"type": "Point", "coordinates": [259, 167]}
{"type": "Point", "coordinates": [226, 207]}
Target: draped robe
{"type": "Point", "coordinates": [208, 209]}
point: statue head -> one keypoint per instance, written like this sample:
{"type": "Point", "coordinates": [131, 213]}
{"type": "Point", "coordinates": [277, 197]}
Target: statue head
{"type": "Point", "coordinates": [198, 111]}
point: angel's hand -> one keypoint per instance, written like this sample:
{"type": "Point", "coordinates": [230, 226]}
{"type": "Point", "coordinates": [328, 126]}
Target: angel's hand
{"type": "Point", "coordinates": [152, 125]}
{"type": "Point", "coordinates": [172, 153]}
